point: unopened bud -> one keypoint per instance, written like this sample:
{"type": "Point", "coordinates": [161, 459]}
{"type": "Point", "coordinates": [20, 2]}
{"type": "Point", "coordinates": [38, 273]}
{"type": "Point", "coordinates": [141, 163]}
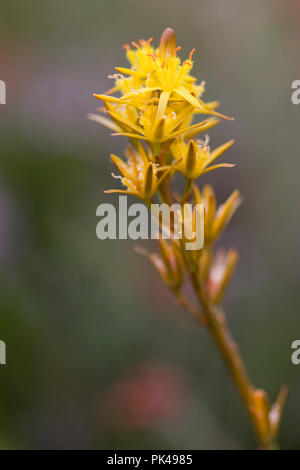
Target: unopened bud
{"type": "Point", "coordinates": [167, 44]}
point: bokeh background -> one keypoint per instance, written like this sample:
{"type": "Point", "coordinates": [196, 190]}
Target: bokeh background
{"type": "Point", "coordinates": [98, 353]}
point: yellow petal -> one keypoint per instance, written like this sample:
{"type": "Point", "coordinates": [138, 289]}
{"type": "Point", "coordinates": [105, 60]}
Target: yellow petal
{"type": "Point", "coordinates": [120, 165]}
{"type": "Point", "coordinates": [104, 121]}
{"type": "Point", "coordinates": [126, 122]}
{"type": "Point", "coordinates": [122, 191]}
{"type": "Point", "coordinates": [225, 212]}
{"type": "Point", "coordinates": [195, 129]}
{"type": "Point", "coordinates": [214, 167]}
{"type": "Point", "coordinates": [138, 92]}
{"type": "Point", "coordinates": [191, 159]}
{"type": "Point", "coordinates": [162, 104]}
{"type": "Point", "coordinates": [230, 264]}
{"type": "Point", "coordinates": [111, 99]}
{"type": "Point", "coordinates": [149, 183]}
{"type": "Point", "coordinates": [196, 102]}
{"type": "Point", "coordinates": [128, 134]}
{"type": "Point", "coordinates": [125, 70]}
{"type": "Point", "coordinates": [158, 131]}
{"type": "Point", "coordinates": [218, 151]}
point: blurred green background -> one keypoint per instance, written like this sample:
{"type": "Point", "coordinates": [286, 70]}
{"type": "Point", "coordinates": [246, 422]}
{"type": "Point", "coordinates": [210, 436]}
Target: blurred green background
{"type": "Point", "coordinates": [98, 353]}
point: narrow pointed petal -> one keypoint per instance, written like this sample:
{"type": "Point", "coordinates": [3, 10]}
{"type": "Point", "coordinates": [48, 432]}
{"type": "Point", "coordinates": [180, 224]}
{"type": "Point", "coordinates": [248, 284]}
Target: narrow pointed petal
{"type": "Point", "coordinates": [137, 92]}
{"type": "Point", "coordinates": [125, 122]}
{"type": "Point", "coordinates": [158, 131]}
{"type": "Point", "coordinates": [120, 165]}
{"type": "Point", "coordinates": [196, 102]}
{"type": "Point", "coordinates": [171, 167]}
{"type": "Point", "coordinates": [220, 165]}
{"type": "Point", "coordinates": [122, 191]}
{"type": "Point", "coordinates": [149, 186]}
{"type": "Point", "coordinates": [210, 210]}
{"type": "Point", "coordinates": [104, 121]}
{"type": "Point", "coordinates": [194, 127]}
{"type": "Point", "coordinates": [197, 195]}
{"type": "Point", "coordinates": [218, 151]}
{"type": "Point", "coordinates": [230, 264]}
{"type": "Point", "coordinates": [128, 134]}
{"type": "Point", "coordinates": [225, 213]}
{"type": "Point", "coordinates": [191, 159]}
{"type": "Point", "coordinates": [110, 99]}
{"type": "Point", "coordinates": [162, 105]}
{"type": "Point", "coordinates": [180, 118]}
{"type": "Point", "coordinates": [125, 70]}
{"type": "Point", "coordinates": [142, 153]}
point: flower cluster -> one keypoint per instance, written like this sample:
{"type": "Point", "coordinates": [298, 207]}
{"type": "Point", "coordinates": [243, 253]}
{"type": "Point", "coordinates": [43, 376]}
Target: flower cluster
{"type": "Point", "coordinates": [157, 103]}
{"type": "Point", "coordinates": [154, 103]}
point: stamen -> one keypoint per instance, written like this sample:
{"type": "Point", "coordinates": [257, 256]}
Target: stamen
{"type": "Point", "coordinates": [176, 50]}
{"type": "Point", "coordinates": [126, 47]}
{"type": "Point", "coordinates": [149, 41]}
{"type": "Point", "coordinates": [191, 53]}
{"type": "Point", "coordinates": [135, 44]}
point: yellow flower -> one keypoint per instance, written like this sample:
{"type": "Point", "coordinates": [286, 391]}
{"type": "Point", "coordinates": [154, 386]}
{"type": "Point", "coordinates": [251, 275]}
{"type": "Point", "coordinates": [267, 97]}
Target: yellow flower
{"type": "Point", "coordinates": [139, 175]}
{"type": "Point", "coordinates": [196, 156]}
{"type": "Point", "coordinates": [144, 124]}
{"type": "Point", "coordinates": [216, 220]}
{"type": "Point", "coordinates": [159, 97]}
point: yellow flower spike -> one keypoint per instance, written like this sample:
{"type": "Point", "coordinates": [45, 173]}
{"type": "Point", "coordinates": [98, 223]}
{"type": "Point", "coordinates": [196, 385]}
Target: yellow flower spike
{"type": "Point", "coordinates": [157, 101]}
{"type": "Point", "coordinates": [221, 273]}
{"type": "Point", "coordinates": [225, 213]}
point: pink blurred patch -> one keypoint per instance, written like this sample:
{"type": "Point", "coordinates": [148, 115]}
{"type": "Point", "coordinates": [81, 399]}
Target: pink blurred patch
{"type": "Point", "coordinates": [149, 395]}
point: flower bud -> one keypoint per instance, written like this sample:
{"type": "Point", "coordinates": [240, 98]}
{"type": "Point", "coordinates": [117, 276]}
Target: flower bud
{"type": "Point", "coordinates": [167, 44]}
